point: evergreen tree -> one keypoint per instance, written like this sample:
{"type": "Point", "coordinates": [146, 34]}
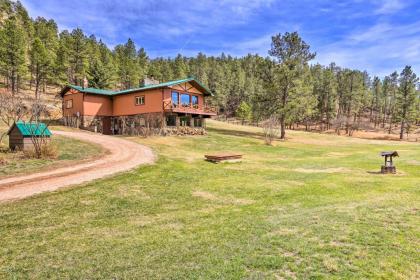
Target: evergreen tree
{"type": "Point", "coordinates": [393, 88]}
{"type": "Point", "coordinates": [377, 99]}
{"type": "Point", "coordinates": [78, 56]}
{"type": "Point", "coordinates": [46, 32]}
{"type": "Point", "coordinates": [41, 64]}
{"type": "Point", "coordinates": [13, 53]}
{"type": "Point", "coordinates": [143, 62]}
{"type": "Point", "coordinates": [244, 111]}
{"type": "Point", "coordinates": [62, 70]}
{"type": "Point", "coordinates": [406, 98]}
{"type": "Point", "coordinates": [291, 55]}
{"type": "Point", "coordinates": [127, 65]}
{"type": "Point", "coordinates": [180, 67]}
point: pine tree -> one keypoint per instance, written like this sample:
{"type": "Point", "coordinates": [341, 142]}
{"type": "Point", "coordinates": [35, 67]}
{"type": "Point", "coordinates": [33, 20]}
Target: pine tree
{"type": "Point", "coordinates": [127, 63]}
{"type": "Point", "coordinates": [376, 100]}
{"type": "Point", "coordinates": [13, 53]}
{"type": "Point", "coordinates": [78, 56]}
{"type": "Point", "coordinates": [62, 71]}
{"type": "Point", "coordinates": [41, 64]}
{"type": "Point", "coordinates": [393, 88]}
{"type": "Point", "coordinates": [45, 32]}
{"type": "Point", "coordinates": [291, 55]}
{"type": "Point", "coordinates": [99, 72]}
{"type": "Point", "coordinates": [406, 98]}
{"type": "Point", "coordinates": [180, 67]}
{"type": "Point", "coordinates": [244, 111]}
{"type": "Point", "coordinates": [143, 62]}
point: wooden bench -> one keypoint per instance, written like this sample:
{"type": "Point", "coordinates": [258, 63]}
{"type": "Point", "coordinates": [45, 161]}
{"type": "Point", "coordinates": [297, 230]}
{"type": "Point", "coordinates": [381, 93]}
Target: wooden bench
{"type": "Point", "coordinates": [223, 158]}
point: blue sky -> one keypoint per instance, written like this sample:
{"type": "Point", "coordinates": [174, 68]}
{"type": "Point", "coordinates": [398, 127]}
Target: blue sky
{"type": "Point", "coordinates": [379, 36]}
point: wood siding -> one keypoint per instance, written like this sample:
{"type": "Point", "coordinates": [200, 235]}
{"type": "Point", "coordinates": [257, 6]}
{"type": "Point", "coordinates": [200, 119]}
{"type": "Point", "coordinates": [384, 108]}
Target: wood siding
{"type": "Point", "coordinates": [15, 139]}
{"type": "Point", "coordinates": [97, 105]}
{"type": "Point", "coordinates": [77, 98]}
{"type": "Point", "coordinates": [125, 104]}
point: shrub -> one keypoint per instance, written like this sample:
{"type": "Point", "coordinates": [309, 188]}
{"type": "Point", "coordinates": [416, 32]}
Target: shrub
{"type": "Point", "coordinates": [3, 161]}
{"type": "Point", "coordinates": [270, 128]}
{"type": "Point", "coordinates": [47, 151]}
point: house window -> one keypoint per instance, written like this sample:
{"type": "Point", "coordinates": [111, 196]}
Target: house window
{"type": "Point", "coordinates": [194, 101]}
{"type": "Point", "coordinates": [69, 104]}
{"type": "Point", "coordinates": [140, 100]}
{"type": "Point", "coordinates": [185, 100]}
{"type": "Point", "coordinates": [175, 98]}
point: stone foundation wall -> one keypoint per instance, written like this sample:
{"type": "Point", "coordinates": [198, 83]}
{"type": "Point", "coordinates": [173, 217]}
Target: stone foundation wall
{"type": "Point", "coordinates": [92, 123]}
{"type": "Point", "coordinates": [143, 124]}
{"type": "Point", "coordinates": [138, 125]}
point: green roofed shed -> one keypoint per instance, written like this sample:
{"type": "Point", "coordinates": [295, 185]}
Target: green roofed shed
{"type": "Point", "coordinates": [20, 134]}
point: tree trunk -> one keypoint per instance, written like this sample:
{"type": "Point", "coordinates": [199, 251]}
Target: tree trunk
{"type": "Point", "coordinates": [282, 127]}
{"type": "Point", "coordinates": [37, 89]}
{"type": "Point", "coordinates": [402, 129]}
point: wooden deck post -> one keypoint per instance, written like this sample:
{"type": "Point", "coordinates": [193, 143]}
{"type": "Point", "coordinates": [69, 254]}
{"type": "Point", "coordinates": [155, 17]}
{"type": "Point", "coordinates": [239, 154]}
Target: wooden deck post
{"type": "Point", "coordinates": [177, 121]}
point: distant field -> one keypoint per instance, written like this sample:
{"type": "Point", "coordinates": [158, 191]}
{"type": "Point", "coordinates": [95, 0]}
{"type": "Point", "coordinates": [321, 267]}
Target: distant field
{"type": "Point", "coordinates": [310, 207]}
{"type": "Point", "coordinates": [69, 151]}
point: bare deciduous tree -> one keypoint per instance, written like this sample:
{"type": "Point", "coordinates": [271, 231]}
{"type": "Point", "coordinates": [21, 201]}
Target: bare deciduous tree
{"type": "Point", "coordinates": [37, 129]}
{"type": "Point", "coordinates": [12, 109]}
{"type": "Point", "coordinates": [270, 129]}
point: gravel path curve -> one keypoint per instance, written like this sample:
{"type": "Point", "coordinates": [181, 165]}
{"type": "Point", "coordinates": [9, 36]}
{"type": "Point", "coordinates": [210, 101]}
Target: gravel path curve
{"type": "Point", "coordinates": [122, 155]}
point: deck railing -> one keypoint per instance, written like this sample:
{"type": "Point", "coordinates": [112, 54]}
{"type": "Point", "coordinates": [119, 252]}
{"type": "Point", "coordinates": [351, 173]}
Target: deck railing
{"type": "Point", "coordinates": [189, 108]}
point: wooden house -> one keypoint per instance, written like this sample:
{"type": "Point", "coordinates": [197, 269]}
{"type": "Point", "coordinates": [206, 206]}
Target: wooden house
{"type": "Point", "coordinates": [21, 134]}
{"type": "Point", "coordinates": [180, 103]}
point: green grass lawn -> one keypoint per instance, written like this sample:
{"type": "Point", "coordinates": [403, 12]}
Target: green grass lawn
{"type": "Point", "coordinates": [310, 207]}
{"type": "Point", "coordinates": [69, 151]}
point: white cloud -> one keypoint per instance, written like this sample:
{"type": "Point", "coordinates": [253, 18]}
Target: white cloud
{"type": "Point", "coordinates": [380, 49]}
{"type": "Point", "coordinates": [390, 6]}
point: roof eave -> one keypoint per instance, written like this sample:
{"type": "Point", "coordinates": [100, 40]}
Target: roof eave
{"type": "Point", "coordinates": [10, 128]}
{"type": "Point", "coordinates": [64, 90]}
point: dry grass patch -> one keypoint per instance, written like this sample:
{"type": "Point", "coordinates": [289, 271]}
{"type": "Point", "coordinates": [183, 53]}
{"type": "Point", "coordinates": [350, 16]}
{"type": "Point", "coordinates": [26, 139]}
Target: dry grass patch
{"type": "Point", "coordinates": [330, 264]}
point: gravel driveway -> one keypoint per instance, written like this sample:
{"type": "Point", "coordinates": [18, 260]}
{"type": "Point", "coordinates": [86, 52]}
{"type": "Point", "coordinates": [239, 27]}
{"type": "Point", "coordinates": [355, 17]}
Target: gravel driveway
{"type": "Point", "coordinates": [122, 155]}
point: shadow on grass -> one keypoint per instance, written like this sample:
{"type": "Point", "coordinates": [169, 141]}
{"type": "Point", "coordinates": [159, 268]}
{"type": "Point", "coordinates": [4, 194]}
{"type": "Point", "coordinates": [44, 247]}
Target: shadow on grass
{"type": "Point", "coordinates": [375, 172]}
{"type": "Point", "coordinates": [238, 133]}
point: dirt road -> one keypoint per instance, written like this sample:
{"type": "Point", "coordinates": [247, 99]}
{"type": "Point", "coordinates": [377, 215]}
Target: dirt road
{"type": "Point", "coordinates": [122, 155]}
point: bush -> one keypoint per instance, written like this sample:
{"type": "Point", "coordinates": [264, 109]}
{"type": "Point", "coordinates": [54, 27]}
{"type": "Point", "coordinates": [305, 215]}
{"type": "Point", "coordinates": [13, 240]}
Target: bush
{"type": "Point", "coordinates": [270, 129]}
{"type": "Point", "coordinates": [2, 161]}
{"type": "Point", "coordinates": [48, 151]}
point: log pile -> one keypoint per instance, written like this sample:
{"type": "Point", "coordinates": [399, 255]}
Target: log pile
{"type": "Point", "coordinates": [184, 130]}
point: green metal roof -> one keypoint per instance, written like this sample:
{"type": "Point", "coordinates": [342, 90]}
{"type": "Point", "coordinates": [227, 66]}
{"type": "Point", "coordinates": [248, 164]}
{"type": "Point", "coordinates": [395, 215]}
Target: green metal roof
{"type": "Point", "coordinates": [92, 90]}
{"type": "Point", "coordinates": [32, 128]}
{"type": "Point", "coordinates": [112, 93]}
{"type": "Point", "coordinates": [167, 84]}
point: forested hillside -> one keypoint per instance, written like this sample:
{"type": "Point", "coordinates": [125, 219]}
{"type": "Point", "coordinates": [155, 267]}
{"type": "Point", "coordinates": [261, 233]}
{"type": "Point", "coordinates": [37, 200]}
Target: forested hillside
{"type": "Point", "coordinates": [284, 85]}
